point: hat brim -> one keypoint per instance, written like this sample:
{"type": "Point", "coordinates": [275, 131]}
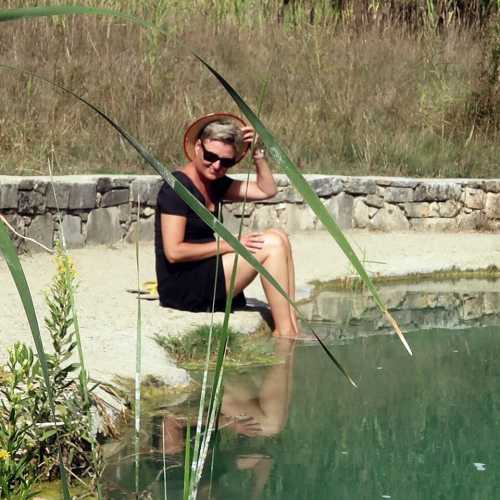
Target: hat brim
{"type": "Point", "coordinates": [194, 130]}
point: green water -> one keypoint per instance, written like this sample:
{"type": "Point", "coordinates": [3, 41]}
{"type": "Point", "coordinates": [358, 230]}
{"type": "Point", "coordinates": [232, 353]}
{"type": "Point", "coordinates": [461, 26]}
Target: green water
{"type": "Point", "coordinates": [425, 427]}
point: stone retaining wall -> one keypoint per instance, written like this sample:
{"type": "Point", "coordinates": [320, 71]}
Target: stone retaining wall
{"type": "Point", "coordinates": [103, 209]}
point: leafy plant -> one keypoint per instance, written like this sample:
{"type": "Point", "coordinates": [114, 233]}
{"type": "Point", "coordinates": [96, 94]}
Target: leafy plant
{"type": "Point", "coordinates": [29, 435]}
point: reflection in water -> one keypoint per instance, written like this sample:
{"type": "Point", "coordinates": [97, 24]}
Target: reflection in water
{"type": "Point", "coordinates": [341, 314]}
{"type": "Point", "coordinates": [416, 429]}
{"type": "Point", "coordinates": [254, 405]}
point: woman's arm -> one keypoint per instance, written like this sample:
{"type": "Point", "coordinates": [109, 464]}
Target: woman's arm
{"type": "Point", "coordinates": [173, 228]}
{"type": "Point", "coordinates": [264, 186]}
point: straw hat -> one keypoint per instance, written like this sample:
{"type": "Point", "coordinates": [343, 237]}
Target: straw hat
{"type": "Point", "coordinates": [194, 130]}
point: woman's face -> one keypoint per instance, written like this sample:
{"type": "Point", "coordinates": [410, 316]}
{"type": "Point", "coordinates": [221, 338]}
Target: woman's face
{"type": "Point", "coordinates": [211, 156]}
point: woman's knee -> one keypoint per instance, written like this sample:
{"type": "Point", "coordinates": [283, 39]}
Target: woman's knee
{"type": "Point", "coordinates": [281, 234]}
{"type": "Point", "coordinates": [275, 240]}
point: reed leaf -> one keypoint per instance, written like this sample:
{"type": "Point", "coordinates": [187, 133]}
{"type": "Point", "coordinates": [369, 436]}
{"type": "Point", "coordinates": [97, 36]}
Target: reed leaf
{"type": "Point", "coordinates": [280, 157]}
{"type": "Point", "coordinates": [8, 250]}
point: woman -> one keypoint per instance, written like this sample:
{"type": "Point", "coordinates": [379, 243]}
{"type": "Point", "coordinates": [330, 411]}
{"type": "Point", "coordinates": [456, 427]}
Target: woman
{"type": "Point", "coordinates": [187, 255]}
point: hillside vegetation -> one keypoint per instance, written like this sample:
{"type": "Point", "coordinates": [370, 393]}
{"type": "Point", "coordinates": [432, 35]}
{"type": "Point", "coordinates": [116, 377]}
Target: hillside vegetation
{"type": "Point", "coordinates": [407, 87]}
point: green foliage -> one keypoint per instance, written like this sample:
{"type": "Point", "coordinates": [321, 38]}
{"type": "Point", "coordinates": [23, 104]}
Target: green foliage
{"type": "Point", "coordinates": [27, 432]}
{"type": "Point", "coordinates": [189, 350]}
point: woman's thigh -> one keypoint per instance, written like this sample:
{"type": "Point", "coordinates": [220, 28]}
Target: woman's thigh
{"type": "Point", "coordinates": [246, 273]}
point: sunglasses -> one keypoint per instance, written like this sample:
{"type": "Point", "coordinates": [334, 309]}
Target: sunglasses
{"type": "Point", "coordinates": [211, 157]}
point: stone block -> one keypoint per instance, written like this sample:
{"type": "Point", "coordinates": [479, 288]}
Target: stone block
{"type": "Point", "coordinates": [103, 226]}
{"type": "Point", "coordinates": [341, 208]}
{"type": "Point", "coordinates": [360, 186]}
{"type": "Point", "coordinates": [33, 184]}
{"type": "Point", "coordinates": [72, 230]}
{"type": "Point", "coordinates": [124, 212]}
{"type": "Point", "coordinates": [327, 186]}
{"type": "Point", "coordinates": [115, 197]}
{"type": "Point", "coordinates": [146, 230]}
{"type": "Point", "coordinates": [8, 196]}
{"type": "Point", "coordinates": [61, 198]}
{"type": "Point", "coordinates": [492, 185]}
{"type": "Point", "coordinates": [146, 189]}
{"type": "Point", "coordinates": [264, 216]}
{"type": "Point", "coordinates": [449, 208]}
{"type": "Point", "coordinates": [492, 206]}
{"type": "Point", "coordinates": [231, 222]}
{"type": "Point", "coordinates": [373, 200]}
{"type": "Point", "coordinates": [31, 202]}
{"type": "Point", "coordinates": [474, 198]}
{"type": "Point", "coordinates": [401, 182]}
{"type": "Point", "coordinates": [398, 195]}
{"type": "Point", "coordinates": [41, 229]}
{"type": "Point", "coordinates": [434, 224]}
{"type": "Point", "coordinates": [301, 218]}
{"type": "Point", "coordinates": [417, 210]}
{"type": "Point", "coordinates": [237, 208]}
{"type": "Point", "coordinates": [105, 184]}
{"type": "Point", "coordinates": [438, 191]}
{"type": "Point", "coordinates": [472, 221]}
{"type": "Point", "coordinates": [82, 196]}
{"type": "Point", "coordinates": [360, 213]}
{"type": "Point", "coordinates": [390, 218]}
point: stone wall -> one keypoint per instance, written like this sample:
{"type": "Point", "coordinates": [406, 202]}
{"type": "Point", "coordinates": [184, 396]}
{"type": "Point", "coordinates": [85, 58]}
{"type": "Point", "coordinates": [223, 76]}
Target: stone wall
{"type": "Point", "coordinates": [103, 209]}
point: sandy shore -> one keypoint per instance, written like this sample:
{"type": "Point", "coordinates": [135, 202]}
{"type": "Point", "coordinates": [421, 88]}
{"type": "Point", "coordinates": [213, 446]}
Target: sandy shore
{"type": "Point", "coordinates": [107, 313]}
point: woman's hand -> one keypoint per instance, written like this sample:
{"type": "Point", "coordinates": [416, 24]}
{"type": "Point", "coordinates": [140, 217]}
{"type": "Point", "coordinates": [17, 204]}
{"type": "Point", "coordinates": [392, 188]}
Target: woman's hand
{"type": "Point", "coordinates": [250, 137]}
{"type": "Point", "coordinates": [253, 241]}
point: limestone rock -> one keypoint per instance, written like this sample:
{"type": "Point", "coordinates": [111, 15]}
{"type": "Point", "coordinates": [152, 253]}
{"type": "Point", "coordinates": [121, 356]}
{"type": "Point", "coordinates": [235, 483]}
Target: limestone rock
{"type": "Point", "coordinates": [33, 184]}
{"type": "Point", "coordinates": [31, 202]}
{"type": "Point", "coordinates": [360, 214]}
{"type": "Point", "coordinates": [82, 196]}
{"type": "Point", "coordinates": [327, 186]}
{"type": "Point", "coordinates": [124, 212]}
{"type": "Point", "coordinates": [300, 217]}
{"type": "Point", "coordinates": [146, 230]}
{"type": "Point", "coordinates": [103, 226]}
{"type": "Point", "coordinates": [438, 191]}
{"type": "Point", "coordinates": [390, 218]}
{"type": "Point", "coordinates": [398, 195]}
{"type": "Point", "coordinates": [472, 221]}
{"type": "Point", "coordinates": [115, 197]}
{"type": "Point", "coordinates": [263, 217]}
{"type": "Point", "coordinates": [8, 196]}
{"type": "Point", "coordinates": [341, 207]}
{"type": "Point", "coordinates": [492, 206]}
{"type": "Point", "coordinates": [41, 229]}
{"type": "Point", "coordinates": [61, 198]}
{"type": "Point", "coordinates": [417, 210]}
{"type": "Point", "coordinates": [474, 198]}
{"type": "Point", "coordinates": [373, 200]}
{"type": "Point", "coordinates": [105, 184]}
{"type": "Point", "coordinates": [449, 208]}
{"type": "Point", "coordinates": [360, 186]}
{"type": "Point", "coordinates": [492, 185]}
{"type": "Point", "coordinates": [72, 230]}
{"type": "Point", "coordinates": [146, 188]}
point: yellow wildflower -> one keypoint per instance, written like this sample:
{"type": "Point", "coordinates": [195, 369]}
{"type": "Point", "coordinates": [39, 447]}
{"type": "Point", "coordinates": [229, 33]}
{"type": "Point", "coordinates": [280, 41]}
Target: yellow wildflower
{"type": "Point", "coordinates": [4, 454]}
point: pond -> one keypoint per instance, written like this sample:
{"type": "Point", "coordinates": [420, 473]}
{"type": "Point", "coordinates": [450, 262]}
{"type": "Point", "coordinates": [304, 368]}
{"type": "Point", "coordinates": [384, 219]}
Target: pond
{"type": "Point", "coordinates": [416, 428]}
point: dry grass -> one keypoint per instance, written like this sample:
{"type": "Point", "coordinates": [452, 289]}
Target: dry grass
{"type": "Point", "coordinates": [362, 96]}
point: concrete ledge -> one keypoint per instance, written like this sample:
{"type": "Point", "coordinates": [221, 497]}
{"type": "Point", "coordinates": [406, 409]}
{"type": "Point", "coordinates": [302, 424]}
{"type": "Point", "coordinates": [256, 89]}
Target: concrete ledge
{"type": "Point", "coordinates": [99, 209]}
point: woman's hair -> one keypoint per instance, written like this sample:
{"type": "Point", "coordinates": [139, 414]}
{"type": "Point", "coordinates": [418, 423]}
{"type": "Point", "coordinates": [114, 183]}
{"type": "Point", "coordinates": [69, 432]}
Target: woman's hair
{"type": "Point", "coordinates": [225, 131]}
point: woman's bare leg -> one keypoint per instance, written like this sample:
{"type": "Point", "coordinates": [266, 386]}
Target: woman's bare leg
{"type": "Point", "coordinates": [291, 274]}
{"type": "Point", "coordinates": [274, 257]}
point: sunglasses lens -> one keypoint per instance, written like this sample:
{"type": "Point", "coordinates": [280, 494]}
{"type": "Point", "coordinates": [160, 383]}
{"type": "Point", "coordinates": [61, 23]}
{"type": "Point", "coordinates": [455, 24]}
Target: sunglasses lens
{"type": "Point", "coordinates": [210, 157]}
